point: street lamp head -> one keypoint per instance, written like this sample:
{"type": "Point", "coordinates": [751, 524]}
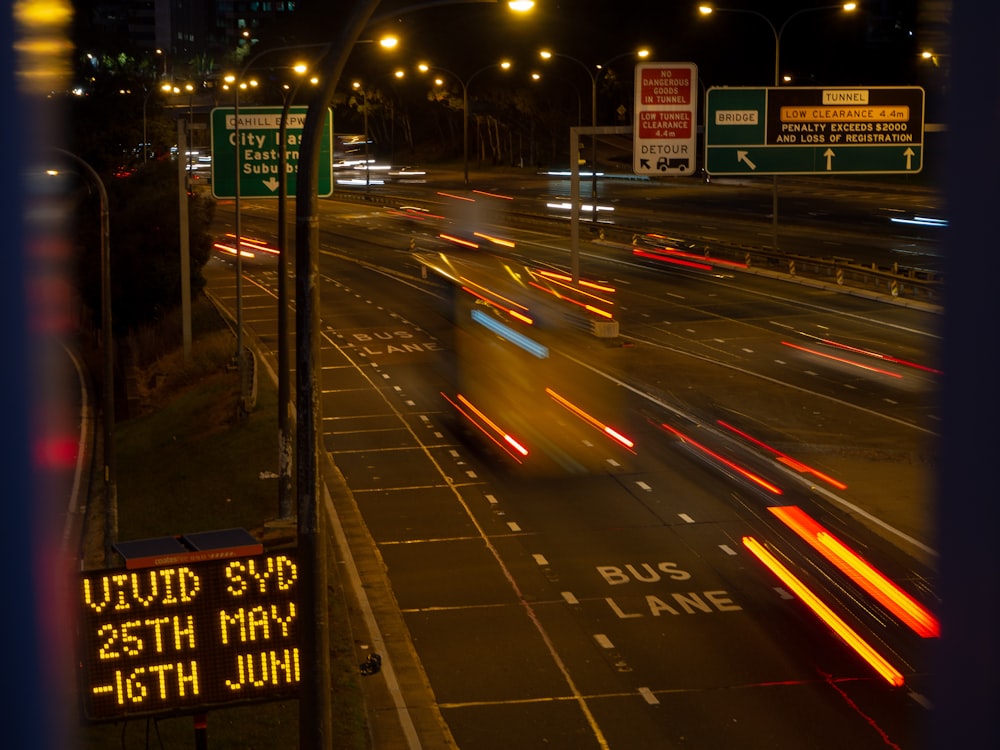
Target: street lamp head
{"type": "Point", "coordinates": [545, 54]}
{"type": "Point", "coordinates": [399, 73]}
{"type": "Point", "coordinates": [643, 53]}
{"type": "Point", "coordinates": [388, 42]}
{"type": "Point", "coordinates": [521, 6]}
{"type": "Point", "coordinates": [300, 68]}
{"type": "Point", "coordinates": [932, 56]}
{"type": "Point", "coordinates": [850, 6]}
{"type": "Point", "coordinates": [505, 64]}
{"type": "Point", "coordinates": [705, 9]}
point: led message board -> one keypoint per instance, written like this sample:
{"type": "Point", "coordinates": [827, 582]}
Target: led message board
{"type": "Point", "coordinates": [182, 638]}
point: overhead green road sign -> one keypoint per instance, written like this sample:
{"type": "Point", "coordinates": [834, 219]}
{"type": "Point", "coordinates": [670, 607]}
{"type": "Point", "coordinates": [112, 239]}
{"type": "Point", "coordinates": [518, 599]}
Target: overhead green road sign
{"type": "Point", "coordinates": [259, 151]}
{"type": "Point", "coordinates": [814, 130]}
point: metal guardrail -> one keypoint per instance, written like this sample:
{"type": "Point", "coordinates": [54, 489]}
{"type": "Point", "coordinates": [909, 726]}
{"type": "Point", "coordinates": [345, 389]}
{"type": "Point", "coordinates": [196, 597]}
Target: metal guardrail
{"type": "Point", "coordinates": [897, 282]}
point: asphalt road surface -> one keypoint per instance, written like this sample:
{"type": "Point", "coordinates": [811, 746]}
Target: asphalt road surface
{"type": "Point", "coordinates": [597, 594]}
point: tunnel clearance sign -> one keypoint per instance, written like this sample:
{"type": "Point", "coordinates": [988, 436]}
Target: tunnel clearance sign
{"type": "Point", "coordinates": [814, 130]}
{"type": "Point", "coordinates": [665, 128]}
{"type": "Point", "coordinates": [260, 151]}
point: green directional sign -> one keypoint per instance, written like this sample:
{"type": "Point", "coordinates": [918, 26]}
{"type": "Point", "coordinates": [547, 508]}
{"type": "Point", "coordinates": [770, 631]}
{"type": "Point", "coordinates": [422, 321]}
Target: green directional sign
{"type": "Point", "coordinates": [814, 130]}
{"type": "Point", "coordinates": [256, 143]}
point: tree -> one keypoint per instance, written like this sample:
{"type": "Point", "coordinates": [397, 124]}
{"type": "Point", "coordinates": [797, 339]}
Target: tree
{"type": "Point", "coordinates": [106, 125]}
{"type": "Point", "coordinates": [145, 246]}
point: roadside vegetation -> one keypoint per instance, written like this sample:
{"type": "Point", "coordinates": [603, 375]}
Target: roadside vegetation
{"type": "Point", "coordinates": [187, 463]}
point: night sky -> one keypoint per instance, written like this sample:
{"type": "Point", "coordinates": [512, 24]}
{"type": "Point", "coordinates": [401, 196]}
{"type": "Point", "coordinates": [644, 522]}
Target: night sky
{"type": "Point", "coordinates": [874, 46]}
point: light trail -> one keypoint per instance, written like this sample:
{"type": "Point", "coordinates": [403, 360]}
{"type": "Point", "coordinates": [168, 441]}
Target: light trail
{"type": "Point", "coordinates": [891, 596]}
{"type": "Point", "coordinates": [844, 631]}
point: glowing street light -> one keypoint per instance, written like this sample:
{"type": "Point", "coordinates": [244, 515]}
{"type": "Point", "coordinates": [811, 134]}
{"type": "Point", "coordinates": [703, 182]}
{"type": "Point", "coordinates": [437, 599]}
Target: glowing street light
{"type": "Point", "coordinates": [706, 10]}
{"type": "Point", "coordinates": [931, 56]}
{"type": "Point", "coordinates": [594, 75]}
{"type": "Point", "coordinates": [315, 717]}
{"type": "Point", "coordinates": [503, 65]}
{"type": "Point", "coordinates": [237, 85]}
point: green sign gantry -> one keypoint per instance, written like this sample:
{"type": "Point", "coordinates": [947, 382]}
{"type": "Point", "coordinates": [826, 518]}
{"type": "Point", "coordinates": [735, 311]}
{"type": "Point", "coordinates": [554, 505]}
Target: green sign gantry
{"type": "Point", "coordinates": [814, 130]}
{"type": "Point", "coordinates": [259, 152]}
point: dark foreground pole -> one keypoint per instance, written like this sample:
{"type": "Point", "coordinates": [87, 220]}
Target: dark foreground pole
{"type": "Point", "coordinates": [315, 720]}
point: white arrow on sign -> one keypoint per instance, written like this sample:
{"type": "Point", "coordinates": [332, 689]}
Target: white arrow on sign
{"type": "Point", "coordinates": [742, 156]}
{"type": "Point", "coordinates": [271, 184]}
{"type": "Point", "coordinates": [909, 154]}
{"type": "Point", "coordinates": [829, 154]}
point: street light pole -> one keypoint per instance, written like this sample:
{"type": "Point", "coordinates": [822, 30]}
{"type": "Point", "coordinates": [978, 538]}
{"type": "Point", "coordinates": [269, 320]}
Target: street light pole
{"type": "Point", "coordinates": [465, 83]}
{"type": "Point", "coordinates": [285, 406]}
{"type": "Point", "coordinates": [361, 87]}
{"type": "Point", "coordinates": [594, 75]}
{"type": "Point", "coordinates": [315, 719]}
{"type": "Point", "coordinates": [165, 87]}
{"type": "Point", "coordinates": [238, 83]}
{"type": "Point", "coordinates": [546, 55]}
{"type": "Point", "coordinates": [364, 112]}
{"type": "Point", "coordinates": [241, 367]}
{"type": "Point", "coordinates": [465, 130]}
{"type": "Point", "coordinates": [285, 443]}
{"type": "Point", "coordinates": [145, 137]}
{"type": "Point", "coordinates": [110, 468]}
{"type": "Point", "coordinates": [777, 33]}
{"type": "Point", "coordinates": [285, 454]}
{"type": "Point", "coordinates": [368, 163]}
{"type": "Point", "coordinates": [189, 87]}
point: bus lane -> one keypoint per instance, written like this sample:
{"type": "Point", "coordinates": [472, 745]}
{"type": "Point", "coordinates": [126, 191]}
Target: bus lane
{"type": "Point", "coordinates": [686, 634]}
{"type": "Point", "coordinates": [668, 619]}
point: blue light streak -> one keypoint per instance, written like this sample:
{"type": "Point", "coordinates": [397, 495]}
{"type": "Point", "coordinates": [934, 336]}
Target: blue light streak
{"type": "Point", "coordinates": [506, 332]}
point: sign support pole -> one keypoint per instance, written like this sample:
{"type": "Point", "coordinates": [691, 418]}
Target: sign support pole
{"type": "Point", "coordinates": [185, 240]}
{"type": "Point", "coordinates": [241, 407]}
{"type": "Point", "coordinates": [774, 212]}
{"type": "Point", "coordinates": [315, 717]}
{"type": "Point", "coordinates": [574, 170]}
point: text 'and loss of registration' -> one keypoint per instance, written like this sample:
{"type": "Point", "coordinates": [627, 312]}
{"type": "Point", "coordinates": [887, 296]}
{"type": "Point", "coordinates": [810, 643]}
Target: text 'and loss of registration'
{"type": "Point", "coordinates": [844, 116]}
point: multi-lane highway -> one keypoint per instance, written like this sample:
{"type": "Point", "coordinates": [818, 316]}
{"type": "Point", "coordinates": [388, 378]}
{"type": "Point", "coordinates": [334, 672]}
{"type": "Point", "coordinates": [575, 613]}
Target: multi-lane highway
{"type": "Point", "coordinates": [860, 221]}
{"type": "Point", "coordinates": [565, 546]}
